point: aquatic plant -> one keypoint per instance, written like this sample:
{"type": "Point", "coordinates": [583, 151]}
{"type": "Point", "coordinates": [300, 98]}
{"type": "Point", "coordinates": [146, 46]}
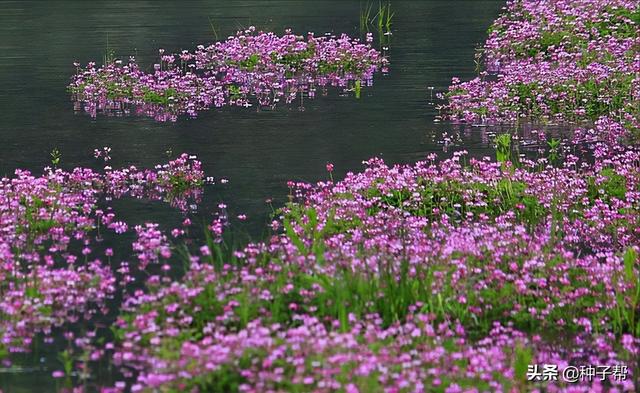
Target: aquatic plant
{"type": "Point", "coordinates": [555, 61]}
{"type": "Point", "coordinates": [365, 16]}
{"type": "Point", "coordinates": [457, 274]}
{"type": "Point", "coordinates": [503, 148]}
{"type": "Point", "coordinates": [406, 276]}
{"type": "Point", "coordinates": [382, 20]}
{"type": "Point", "coordinates": [460, 274]}
{"type": "Point", "coordinates": [55, 157]}
{"type": "Point", "coordinates": [250, 68]}
{"type": "Point", "coordinates": [50, 274]}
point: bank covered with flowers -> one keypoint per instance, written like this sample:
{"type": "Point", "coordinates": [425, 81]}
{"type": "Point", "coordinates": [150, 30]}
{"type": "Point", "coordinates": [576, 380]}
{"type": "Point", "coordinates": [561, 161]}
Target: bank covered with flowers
{"type": "Point", "coordinates": [462, 274]}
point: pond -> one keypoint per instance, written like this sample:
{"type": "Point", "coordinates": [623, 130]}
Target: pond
{"type": "Point", "coordinates": [258, 151]}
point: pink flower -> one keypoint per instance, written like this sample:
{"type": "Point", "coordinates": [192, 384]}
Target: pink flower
{"type": "Point", "coordinates": [204, 250]}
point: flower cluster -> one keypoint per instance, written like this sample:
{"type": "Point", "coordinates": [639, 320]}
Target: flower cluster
{"type": "Point", "coordinates": [177, 182]}
{"type": "Point", "coordinates": [555, 61]}
{"type": "Point", "coordinates": [250, 68]}
{"type": "Point", "coordinates": [51, 270]}
{"type": "Point", "coordinates": [455, 274]}
{"type": "Point", "coordinates": [151, 244]}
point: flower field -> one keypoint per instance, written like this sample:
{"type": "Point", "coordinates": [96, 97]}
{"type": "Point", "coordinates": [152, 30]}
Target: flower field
{"type": "Point", "coordinates": [450, 275]}
{"type": "Point", "coordinates": [555, 61]}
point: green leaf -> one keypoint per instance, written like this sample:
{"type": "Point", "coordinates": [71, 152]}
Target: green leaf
{"type": "Point", "coordinates": [630, 257]}
{"type": "Point", "coordinates": [523, 360]}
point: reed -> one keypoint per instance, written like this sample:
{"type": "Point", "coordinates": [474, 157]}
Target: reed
{"type": "Point", "coordinates": [365, 16]}
{"type": "Point", "coordinates": [382, 20]}
{"type": "Point", "coordinates": [213, 29]}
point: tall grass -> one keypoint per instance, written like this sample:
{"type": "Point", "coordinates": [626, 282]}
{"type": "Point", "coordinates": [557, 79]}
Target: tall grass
{"type": "Point", "coordinates": [626, 311]}
{"type": "Point", "coordinates": [109, 53]}
{"type": "Point", "coordinates": [365, 16]}
{"type": "Point", "coordinates": [503, 148]}
{"type": "Point", "coordinates": [213, 29]}
{"type": "Point", "coordinates": [382, 20]}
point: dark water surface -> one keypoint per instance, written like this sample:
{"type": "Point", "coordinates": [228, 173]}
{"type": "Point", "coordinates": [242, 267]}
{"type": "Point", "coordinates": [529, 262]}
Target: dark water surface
{"type": "Point", "coordinates": [258, 151]}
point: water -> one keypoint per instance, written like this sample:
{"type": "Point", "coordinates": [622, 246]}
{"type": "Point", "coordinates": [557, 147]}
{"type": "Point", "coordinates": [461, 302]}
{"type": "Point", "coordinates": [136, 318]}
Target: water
{"type": "Point", "coordinates": [258, 151]}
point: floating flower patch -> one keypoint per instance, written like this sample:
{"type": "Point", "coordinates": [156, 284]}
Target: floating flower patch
{"type": "Point", "coordinates": [555, 61]}
{"type": "Point", "coordinates": [250, 68]}
{"type": "Point", "coordinates": [51, 272]}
